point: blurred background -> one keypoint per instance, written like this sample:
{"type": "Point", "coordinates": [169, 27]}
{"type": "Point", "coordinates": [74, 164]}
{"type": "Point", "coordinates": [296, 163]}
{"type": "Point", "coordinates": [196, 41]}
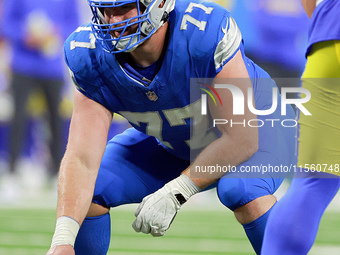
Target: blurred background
{"type": "Point", "coordinates": [36, 96]}
{"type": "Point", "coordinates": [36, 93]}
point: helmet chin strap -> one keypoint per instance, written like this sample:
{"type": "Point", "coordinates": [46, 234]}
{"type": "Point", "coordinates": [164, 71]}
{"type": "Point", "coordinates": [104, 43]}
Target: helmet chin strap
{"type": "Point", "coordinates": [125, 42]}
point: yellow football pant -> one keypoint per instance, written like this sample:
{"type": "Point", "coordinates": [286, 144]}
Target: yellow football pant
{"type": "Point", "coordinates": [319, 134]}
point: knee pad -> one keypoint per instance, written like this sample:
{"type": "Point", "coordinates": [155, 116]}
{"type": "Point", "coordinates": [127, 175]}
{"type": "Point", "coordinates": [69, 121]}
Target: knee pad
{"type": "Point", "coordinates": [231, 192]}
{"type": "Point", "coordinates": [235, 192]}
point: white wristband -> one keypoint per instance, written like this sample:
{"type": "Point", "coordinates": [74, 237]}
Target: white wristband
{"type": "Point", "coordinates": [184, 185]}
{"type": "Point", "coordinates": [66, 231]}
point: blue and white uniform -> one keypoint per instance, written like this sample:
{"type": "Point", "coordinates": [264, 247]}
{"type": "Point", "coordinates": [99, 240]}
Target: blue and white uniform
{"type": "Point", "coordinates": [202, 38]}
{"type": "Point", "coordinates": [201, 41]}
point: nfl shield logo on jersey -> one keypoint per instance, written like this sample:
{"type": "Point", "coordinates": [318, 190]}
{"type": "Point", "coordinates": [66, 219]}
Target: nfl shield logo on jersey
{"type": "Point", "coordinates": [152, 95]}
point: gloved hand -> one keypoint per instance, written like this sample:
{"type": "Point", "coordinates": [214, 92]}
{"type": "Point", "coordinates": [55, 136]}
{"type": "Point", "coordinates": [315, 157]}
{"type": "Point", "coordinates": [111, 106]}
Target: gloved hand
{"type": "Point", "coordinates": [157, 210]}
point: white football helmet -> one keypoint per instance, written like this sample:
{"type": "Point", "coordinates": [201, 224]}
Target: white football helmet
{"type": "Point", "coordinates": [148, 22]}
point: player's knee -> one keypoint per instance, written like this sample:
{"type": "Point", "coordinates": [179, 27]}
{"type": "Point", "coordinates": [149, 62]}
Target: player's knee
{"type": "Point", "coordinates": [231, 192]}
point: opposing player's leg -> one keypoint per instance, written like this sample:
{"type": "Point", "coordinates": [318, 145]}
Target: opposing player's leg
{"type": "Point", "coordinates": [134, 166]}
{"type": "Point", "coordinates": [319, 135]}
{"type": "Point", "coordinates": [290, 230]}
{"type": "Point", "coordinates": [293, 225]}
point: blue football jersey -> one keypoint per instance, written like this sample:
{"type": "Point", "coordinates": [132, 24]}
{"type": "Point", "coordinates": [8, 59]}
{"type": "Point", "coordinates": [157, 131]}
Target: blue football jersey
{"type": "Point", "coordinates": [281, 32]}
{"type": "Point", "coordinates": [203, 37]}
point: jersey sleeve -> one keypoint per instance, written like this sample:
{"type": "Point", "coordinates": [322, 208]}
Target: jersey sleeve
{"type": "Point", "coordinates": [228, 44]}
{"type": "Point", "coordinates": [81, 58]}
{"type": "Point", "coordinates": [214, 36]}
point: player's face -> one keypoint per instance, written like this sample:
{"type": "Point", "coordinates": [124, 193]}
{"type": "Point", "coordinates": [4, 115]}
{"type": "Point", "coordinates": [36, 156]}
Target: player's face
{"type": "Point", "coordinates": [119, 14]}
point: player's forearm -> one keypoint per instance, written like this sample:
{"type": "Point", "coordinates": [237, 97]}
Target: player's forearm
{"type": "Point", "coordinates": [225, 151]}
{"type": "Point", "coordinates": [75, 188]}
{"type": "Point", "coordinates": [89, 127]}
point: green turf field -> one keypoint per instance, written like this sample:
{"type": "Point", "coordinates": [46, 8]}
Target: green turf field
{"type": "Point", "coordinates": [29, 231]}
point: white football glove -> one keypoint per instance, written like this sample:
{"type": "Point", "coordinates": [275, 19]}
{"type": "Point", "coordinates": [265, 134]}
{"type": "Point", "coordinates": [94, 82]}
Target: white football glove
{"type": "Point", "coordinates": [157, 211]}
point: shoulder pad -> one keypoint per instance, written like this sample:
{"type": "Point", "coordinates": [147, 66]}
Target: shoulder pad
{"type": "Point", "coordinates": [228, 44]}
{"type": "Point", "coordinates": [210, 31]}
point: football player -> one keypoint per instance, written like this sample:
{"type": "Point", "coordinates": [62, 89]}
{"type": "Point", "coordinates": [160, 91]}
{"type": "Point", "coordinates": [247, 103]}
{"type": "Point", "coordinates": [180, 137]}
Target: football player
{"type": "Point", "coordinates": [316, 181]}
{"type": "Point", "coordinates": [136, 58]}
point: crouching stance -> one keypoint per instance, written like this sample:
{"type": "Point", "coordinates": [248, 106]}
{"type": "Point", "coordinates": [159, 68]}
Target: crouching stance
{"type": "Point", "coordinates": [138, 59]}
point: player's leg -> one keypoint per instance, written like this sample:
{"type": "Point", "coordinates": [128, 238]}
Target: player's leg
{"type": "Point", "coordinates": [251, 199]}
{"type": "Point", "coordinates": [95, 232]}
{"type": "Point", "coordinates": [293, 225]}
{"type": "Point", "coordinates": [319, 135]}
{"type": "Point", "coordinates": [294, 221]}
{"type": "Point", "coordinates": [249, 190]}
{"type": "Point", "coordinates": [134, 166]}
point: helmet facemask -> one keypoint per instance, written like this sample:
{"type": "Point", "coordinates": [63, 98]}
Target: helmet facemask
{"type": "Point", "coordinates": [149, 18]}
